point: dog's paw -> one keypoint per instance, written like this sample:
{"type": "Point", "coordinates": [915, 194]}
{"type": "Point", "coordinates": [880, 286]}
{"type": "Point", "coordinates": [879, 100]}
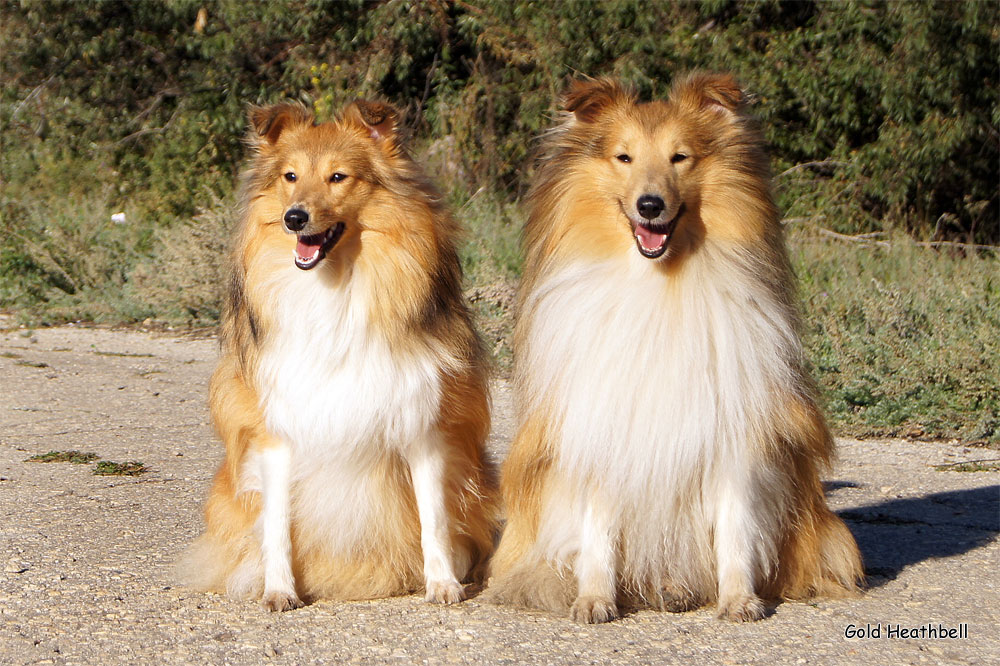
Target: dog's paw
{"type": "Point", "coordinates": [280, 601]}
{"type": "Point", "coordinates": [675, 600]}
{"type": "Point", "coordinates": [593, 610]}
{"type": "Point", "coordinates": [741, 609]}
{"type": "Point", "coordinates": [444, 592]}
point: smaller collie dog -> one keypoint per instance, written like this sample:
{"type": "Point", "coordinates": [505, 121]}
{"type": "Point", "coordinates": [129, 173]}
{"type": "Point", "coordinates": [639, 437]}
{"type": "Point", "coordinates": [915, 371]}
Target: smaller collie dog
{"type": "Point", "coordinates": [669, 441]}
{"type": "Point", "coordinates": [351, 394]}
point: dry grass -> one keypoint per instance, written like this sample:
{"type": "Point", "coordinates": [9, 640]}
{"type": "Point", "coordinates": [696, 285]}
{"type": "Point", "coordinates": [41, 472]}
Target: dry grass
{"type": "Point", "coordinates": [183, 280]}
{"type": "Point", "coordinates": [901, 338]}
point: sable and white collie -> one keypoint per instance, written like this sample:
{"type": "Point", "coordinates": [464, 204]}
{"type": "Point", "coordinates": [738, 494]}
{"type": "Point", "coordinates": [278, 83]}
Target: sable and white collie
{"type": "Point", "coordinates": [351, 394]}
{"type": "Point", "coordinates": [669, 440]}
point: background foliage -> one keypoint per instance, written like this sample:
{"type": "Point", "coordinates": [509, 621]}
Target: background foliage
{"type": "Point", "coordinates": [882, 119]}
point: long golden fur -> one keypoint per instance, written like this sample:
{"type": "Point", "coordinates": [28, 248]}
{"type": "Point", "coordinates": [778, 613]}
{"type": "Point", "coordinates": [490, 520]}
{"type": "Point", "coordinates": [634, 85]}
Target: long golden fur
{"type": "Point", "coordinates": [351, 394]}
{"type": "Point", "coordinates": [669, 446]}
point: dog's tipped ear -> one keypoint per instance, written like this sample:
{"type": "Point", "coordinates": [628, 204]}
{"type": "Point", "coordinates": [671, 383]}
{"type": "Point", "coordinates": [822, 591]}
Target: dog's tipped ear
{"type": "Point", "coordinates": [718, 92]}
{"type": "Point", "coordinates": [587, 99]}
{"type": "Point", "coordinates": [379, 119]}
{"type": "Point", "coordinates": [268, 122]}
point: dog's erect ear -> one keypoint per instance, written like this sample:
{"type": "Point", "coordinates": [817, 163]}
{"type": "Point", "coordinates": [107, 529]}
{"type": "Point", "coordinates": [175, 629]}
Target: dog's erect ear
{"type": "Point", "coordinates": [718, 92]}
{"type": "Point", "coordinates": [587, 99]}
{"type": "Point", "coordinates": [379, 119]}
{"type": "Point", "coordinates": [268, 122]}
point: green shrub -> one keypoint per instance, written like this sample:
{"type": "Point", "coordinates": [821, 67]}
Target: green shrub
{"type": "Point", "coordinates": [882, 117]}
{"type": "Point", "coordinates": [65, 259]}
{"type": "Point", "coordinates": [898, 100]}
{"type": "Point", "coordinates": [185, 279]}
{"type": "Point", "coordinates": [902, 339]}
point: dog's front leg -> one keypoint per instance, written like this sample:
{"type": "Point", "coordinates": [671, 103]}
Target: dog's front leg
{"type": "Point", "coordinates": [596, 566]}
{"type": "Point", "coordinates": [427, 470]}
{"type": "Point", "coordinates": [737, 551]}
{"type": "Point", "coordinates": [275, 529]}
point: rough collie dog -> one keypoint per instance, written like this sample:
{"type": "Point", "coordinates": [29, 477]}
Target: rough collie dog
{"type": "Point", "coordinates": [351, 394]}
{"type": "Point", "coordinates": [669, 443]}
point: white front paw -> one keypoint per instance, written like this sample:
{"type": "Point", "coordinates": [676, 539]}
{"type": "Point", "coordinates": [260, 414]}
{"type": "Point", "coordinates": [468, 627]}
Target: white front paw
{"type": "Point", "coordinates": [593, 610]}
{"type": "Point", "coordinates": [444, 592]}
{"type": "Point", "coordinates": [280, 601]}
{"type": "Point", "coordinates": [741, 608]}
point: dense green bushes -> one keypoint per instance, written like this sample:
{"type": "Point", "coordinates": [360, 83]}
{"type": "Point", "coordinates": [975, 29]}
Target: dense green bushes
{"type": "Point", "coordinates": [898, 100]}
{"type": "Point", "coordinates": [882, 117]}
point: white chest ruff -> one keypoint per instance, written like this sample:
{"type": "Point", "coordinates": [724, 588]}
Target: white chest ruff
{"type": "Point", "coordinates": [330, 386]}
{"type": "Point", "coordinates": [333, 390]}
{"type": "Point", "coordinates": [656, 387]}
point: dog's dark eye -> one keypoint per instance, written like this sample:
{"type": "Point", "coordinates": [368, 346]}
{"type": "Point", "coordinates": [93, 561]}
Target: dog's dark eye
{"type": "Point", "coordinates": [678, 157]}
{"type": "Point", "coordinates": [337, 177]}
{"type": "Point", "coordinates": [290, 177]}
{"type": "Point", "coordinates": [623, 158]}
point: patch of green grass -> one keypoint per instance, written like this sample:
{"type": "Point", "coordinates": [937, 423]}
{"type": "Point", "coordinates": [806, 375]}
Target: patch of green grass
{"type": "Point", "coordinates": [8, 354]}
{"type": "Point", "coordinates": [181, 281]}
{"type": "Point", "coordinates": [110, 468]}
{"type": "Point", "coordinates": [902, 340]}
{"type": "Point", "coordinates": [31, 364]}
{"type": "Point", "coordinates": [63, 259]}
{"type": "Point", "coordinates": [490, 250]}
{"type": "Point", "coordinates": [102, 468]}
{"type": "Point", "coordinates": [75, 457]}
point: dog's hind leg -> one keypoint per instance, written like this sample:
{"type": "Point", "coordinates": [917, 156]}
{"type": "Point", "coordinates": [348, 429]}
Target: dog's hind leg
{"type": "Point", "coordinates": [275, 528]}
{"type": "Point", "coordinates": [595, 566]}
{"type": "Point", "coordinates": [427, 471]}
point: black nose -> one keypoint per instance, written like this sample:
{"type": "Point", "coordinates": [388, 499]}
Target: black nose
{"type": "Point", "coordinates": [649, 206]}
{"type": "Point", "coordinates": [296, 219]}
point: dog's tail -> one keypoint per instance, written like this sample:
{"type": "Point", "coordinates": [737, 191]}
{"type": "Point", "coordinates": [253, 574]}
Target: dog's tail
{"type": "Point", "coordinates": [818, 555]}
{"type": "Point", "coordinates": [820, 558]}
{"type": "Point", "coordinates": [532, 584]}
{"type": "Point", "coordinates": [518, 574]}
{"type": "Point", "coordinates": [226, 558]}
{"type": "Point", "coordinates": [211, 565]}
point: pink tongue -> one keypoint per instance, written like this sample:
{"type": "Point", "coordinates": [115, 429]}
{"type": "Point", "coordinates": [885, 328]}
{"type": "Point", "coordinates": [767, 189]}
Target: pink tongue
{"type": "Point", "coordinates": [305, 251]}
{"type": "Point", "coordinates": [649, 240]}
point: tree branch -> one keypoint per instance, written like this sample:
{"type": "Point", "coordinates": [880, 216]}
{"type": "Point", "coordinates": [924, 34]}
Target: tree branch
{"type": "Point", "coordinates": [809, 165]}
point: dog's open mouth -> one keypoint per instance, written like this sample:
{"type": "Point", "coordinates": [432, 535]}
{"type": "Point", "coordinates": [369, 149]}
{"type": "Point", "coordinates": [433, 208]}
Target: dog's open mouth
{"type": "Point", "coordinates": [310, 250]}
{"type": "Point", "coordinates": [653, 239]}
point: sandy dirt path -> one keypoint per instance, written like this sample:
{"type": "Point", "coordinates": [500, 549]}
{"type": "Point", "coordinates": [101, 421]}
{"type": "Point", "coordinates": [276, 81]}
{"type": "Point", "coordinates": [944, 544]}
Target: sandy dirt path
{"type": "Point", "coordinates": [85, 560]}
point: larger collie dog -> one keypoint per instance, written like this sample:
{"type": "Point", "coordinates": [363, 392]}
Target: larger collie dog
{"type": "Point", "coordinates": [351, 394]}
{"type": "Point", "coordinates": [669, 444]}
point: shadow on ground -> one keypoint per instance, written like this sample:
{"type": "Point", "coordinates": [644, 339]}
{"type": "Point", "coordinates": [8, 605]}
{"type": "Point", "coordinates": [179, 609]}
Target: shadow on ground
{"type": "Point", "coordinates": [898, 533]}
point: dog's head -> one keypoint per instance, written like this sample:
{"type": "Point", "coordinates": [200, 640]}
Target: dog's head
{"type": "Point", "coordinates": [321, 175]}
{"type": "Point", "coordinates": [655, 161]}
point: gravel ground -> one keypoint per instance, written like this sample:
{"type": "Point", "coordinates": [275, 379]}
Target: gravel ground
{"type": "Point", "coordinates": [86, 559]}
